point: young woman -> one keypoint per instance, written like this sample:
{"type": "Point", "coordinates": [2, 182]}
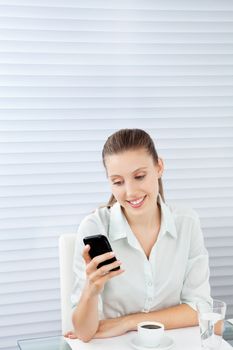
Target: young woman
{"type": "Point", "coordinates": [164, 264]}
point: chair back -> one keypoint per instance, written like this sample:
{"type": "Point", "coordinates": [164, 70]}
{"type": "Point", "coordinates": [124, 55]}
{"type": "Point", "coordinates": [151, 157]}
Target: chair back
{"type": "Point", "coordinates": [66, 254]}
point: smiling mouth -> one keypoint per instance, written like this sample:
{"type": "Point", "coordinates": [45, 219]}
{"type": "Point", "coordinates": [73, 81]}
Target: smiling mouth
{"type": "Point", "coordinates": [136, 203]}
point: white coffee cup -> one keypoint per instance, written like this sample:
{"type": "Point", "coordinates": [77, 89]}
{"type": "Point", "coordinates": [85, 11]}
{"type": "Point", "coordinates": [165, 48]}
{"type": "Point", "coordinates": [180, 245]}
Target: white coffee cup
{"type": "Point", "coordinates": [150, 333]}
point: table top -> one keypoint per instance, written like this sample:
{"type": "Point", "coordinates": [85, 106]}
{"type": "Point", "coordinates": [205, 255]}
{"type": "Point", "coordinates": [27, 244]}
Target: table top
{"type": "Point", "coordinates": [48, 343]}
{"type": "Point", "coordinates": [183, 338]}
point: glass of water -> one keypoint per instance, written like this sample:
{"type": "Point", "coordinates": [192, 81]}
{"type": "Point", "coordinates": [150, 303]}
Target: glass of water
{"type": "Point", "coordinates": [211, 321]}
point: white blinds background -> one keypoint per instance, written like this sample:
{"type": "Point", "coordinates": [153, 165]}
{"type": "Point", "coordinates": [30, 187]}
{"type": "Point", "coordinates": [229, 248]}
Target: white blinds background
{"type": "Point", "coordinates": [73, 72]}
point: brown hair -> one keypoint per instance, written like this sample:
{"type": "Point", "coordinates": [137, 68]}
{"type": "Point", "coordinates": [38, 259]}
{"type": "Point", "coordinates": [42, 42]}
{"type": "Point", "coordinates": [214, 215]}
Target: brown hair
{"type": "Point", "coordinates": [128, 139]}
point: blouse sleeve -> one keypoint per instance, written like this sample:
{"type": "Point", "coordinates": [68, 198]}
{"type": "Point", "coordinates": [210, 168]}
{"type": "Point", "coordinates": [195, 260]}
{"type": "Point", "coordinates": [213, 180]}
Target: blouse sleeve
{"type": "Point", "coordinates": [196, 285]}
{"type": "Point", "coordinates": [88, 227]}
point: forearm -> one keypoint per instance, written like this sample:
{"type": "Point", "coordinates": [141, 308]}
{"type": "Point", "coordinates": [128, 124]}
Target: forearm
{"type": "Point", "coordinates": [85, 317]}
{"type": "Point", "coordinates": [173, 317]}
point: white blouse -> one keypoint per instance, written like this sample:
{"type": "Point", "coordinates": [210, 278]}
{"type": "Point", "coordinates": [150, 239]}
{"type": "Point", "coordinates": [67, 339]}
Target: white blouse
{"type": "Point", "coordinates": [177, 270]}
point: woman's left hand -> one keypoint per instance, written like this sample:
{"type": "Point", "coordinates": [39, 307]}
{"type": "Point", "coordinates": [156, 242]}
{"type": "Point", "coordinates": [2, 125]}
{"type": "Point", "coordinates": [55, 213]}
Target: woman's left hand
{"type": "Point", "coordinates": [70, 334]}
{"type": "Point", "coordinates": [112, 327]}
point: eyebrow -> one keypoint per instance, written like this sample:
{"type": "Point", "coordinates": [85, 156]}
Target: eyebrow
{"type": "Point", "coordinates": [139, 169]}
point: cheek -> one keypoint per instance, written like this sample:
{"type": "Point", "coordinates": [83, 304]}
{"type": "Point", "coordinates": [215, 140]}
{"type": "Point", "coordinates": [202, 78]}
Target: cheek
{"type": "Point", "coordinates": [116, 191]}
{"type": "Point", "coordinates": [152, 184]}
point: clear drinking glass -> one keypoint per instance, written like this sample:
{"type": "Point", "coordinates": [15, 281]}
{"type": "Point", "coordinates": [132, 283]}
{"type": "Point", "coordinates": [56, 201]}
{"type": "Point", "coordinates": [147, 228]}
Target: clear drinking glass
{"type": "Point", "coordinates": [211, 321]}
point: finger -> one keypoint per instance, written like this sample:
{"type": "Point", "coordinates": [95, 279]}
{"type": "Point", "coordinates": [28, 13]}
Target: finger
{"type": "Point", "coordinates": [104, 273]}
{"type": "Point", "coordinates": [72, 336]}
{"type": "Point", "coordinates": [86, 255]}
{"type": "Point", "coordinates": [112, 274]}
{"type": "Point", "coordinates": [102, 257]}
{"type": "Point", "coordinates": [68, 334]}
{"type": "Point", "coordinates": [92, 266]}
{"type": "Point", "coordinates": [99, 281]}
{"type": "Point", "coordinates": [103, 270]}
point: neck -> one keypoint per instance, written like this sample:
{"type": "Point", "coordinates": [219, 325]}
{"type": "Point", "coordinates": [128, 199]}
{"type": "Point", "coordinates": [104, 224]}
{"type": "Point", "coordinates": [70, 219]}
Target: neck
{"type": "Point", "coordinates": [148, 221]}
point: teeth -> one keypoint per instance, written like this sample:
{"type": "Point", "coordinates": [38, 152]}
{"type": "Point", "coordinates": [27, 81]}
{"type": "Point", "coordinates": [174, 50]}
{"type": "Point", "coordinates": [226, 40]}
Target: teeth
{"type": "Point", "coordinates": [137, 201]}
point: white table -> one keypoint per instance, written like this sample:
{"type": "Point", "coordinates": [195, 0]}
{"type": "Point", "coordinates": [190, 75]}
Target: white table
{"type": "Point", "coordinates": [184, 339]}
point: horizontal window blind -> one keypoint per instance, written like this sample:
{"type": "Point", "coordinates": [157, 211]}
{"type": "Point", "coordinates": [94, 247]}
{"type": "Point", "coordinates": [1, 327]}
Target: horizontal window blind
{"type": "Point", "coordinates": [72, 73]}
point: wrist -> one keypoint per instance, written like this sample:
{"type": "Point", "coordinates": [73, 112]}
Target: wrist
{"type": "Point", "coordinates": [131, 322]}
{"type": "Point", "coordinates": [88, 293]}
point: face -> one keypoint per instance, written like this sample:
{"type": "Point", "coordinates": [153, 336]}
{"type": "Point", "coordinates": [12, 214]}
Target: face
{"type": "Point", "coordinates": [133, 177]}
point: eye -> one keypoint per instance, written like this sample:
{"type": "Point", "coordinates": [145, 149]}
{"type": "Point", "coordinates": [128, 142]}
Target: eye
{"type": "Point", "coordinates": [140, 177]}
{"type": "Point", "coordinates": [117, 183]}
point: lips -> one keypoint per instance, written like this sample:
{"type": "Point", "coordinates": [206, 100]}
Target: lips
{"type": "Point", "coordinates": [137, 202]}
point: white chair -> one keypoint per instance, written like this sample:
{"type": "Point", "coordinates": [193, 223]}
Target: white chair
{"type": "Point", "coordinates": [66, 253]}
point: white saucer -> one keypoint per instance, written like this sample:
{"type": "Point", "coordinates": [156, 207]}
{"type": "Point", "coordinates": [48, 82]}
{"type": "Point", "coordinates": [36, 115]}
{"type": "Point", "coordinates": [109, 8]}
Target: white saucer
{"type": "Point", "coordinates": [165, 344]}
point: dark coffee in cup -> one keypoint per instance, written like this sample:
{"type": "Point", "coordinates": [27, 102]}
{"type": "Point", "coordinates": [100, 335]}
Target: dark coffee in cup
{"type": "Point", "coordinates": [150, 326]}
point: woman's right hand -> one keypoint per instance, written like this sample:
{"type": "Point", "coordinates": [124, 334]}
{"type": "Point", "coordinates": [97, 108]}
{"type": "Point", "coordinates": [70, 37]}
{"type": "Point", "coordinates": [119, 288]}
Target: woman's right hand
{"type": "Point", "coordinates": [96, 278]}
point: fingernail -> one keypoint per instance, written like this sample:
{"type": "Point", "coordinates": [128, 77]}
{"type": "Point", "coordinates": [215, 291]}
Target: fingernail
{"type": "Point", "coordinates": [111, 253]}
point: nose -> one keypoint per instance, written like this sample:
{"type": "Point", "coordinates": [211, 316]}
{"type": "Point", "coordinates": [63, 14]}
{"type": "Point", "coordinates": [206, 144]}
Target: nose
{"type": "Point", "coordinates": [130, 190]}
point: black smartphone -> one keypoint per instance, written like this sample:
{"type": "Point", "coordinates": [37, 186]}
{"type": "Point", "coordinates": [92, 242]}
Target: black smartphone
{"type": "Point", "coordinates": [99, 244]}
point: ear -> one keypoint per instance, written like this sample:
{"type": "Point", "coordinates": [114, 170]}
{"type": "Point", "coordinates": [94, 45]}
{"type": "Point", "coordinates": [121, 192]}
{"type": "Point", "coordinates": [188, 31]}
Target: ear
{"type": "Point", "coordinates": [160, 167]}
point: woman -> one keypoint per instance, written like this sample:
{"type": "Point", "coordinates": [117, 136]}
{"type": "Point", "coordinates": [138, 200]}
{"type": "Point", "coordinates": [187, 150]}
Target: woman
{"type": "Point", "coordinates": [164, 269]}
